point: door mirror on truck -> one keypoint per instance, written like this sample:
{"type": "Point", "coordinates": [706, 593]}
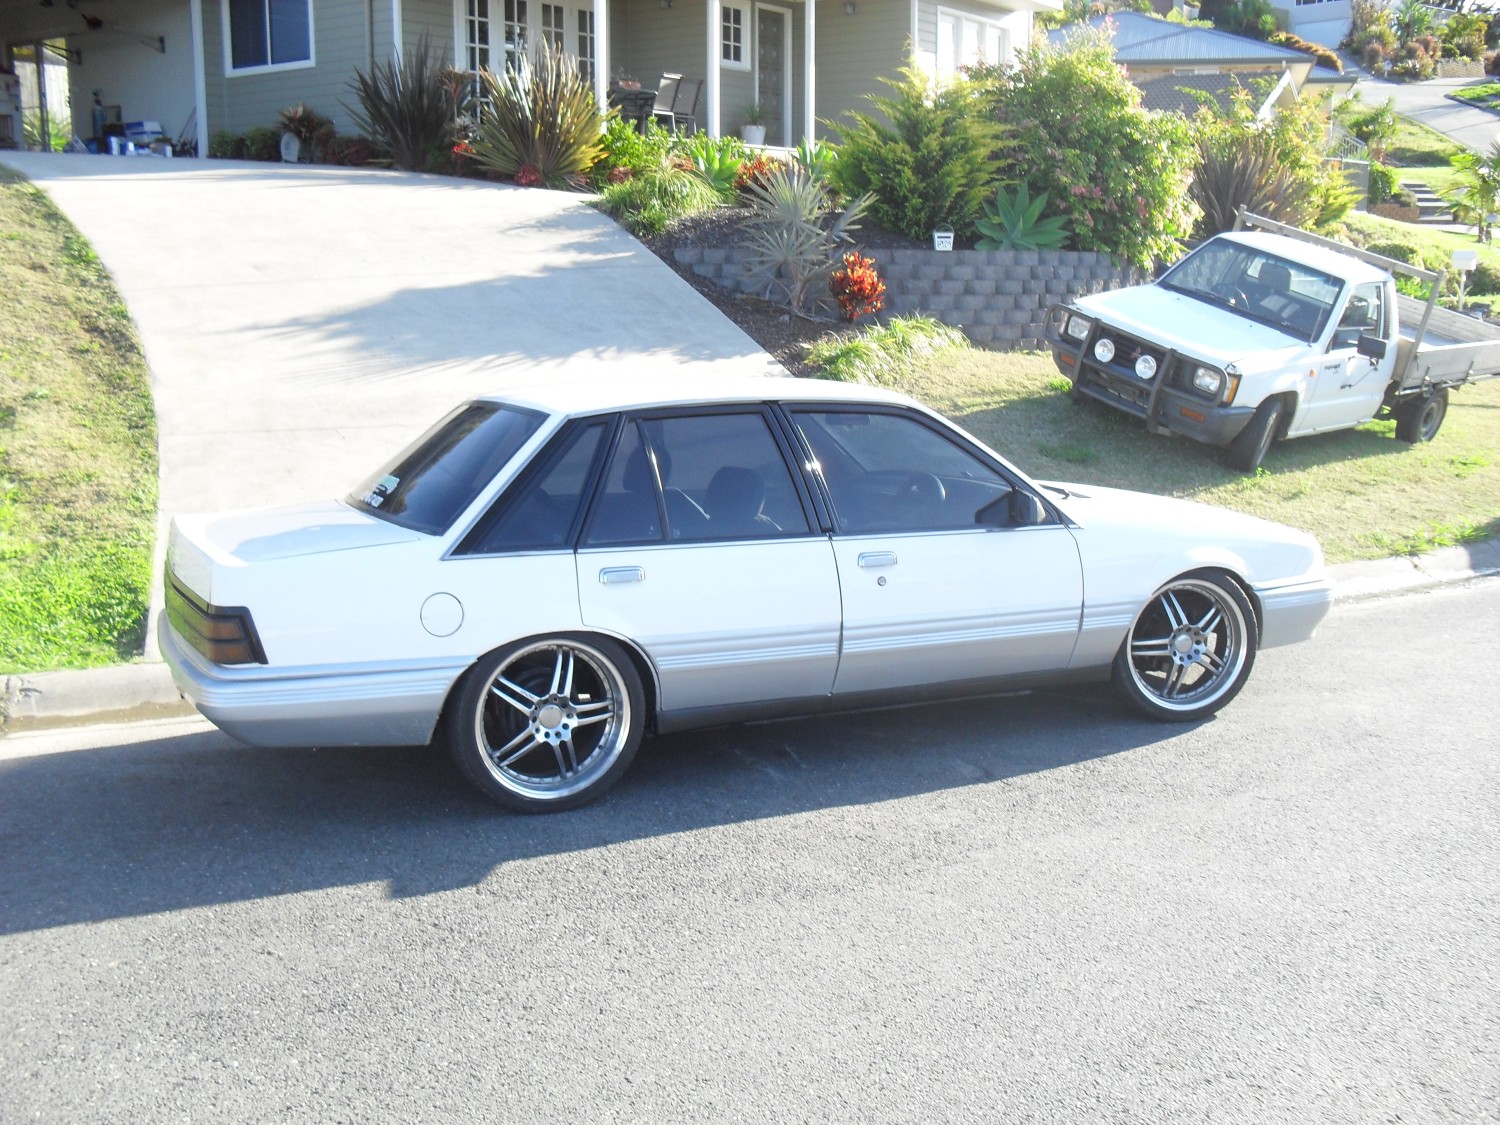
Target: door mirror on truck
{"type": "Point", "coordinates": [1371, 347]}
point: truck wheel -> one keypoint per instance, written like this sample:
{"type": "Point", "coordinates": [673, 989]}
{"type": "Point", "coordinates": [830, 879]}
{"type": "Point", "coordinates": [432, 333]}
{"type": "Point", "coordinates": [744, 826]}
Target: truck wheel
{"type": "Point", "coordinates": [1421, 420]}
{"type": "Point", "coordinates": [1249, 447]}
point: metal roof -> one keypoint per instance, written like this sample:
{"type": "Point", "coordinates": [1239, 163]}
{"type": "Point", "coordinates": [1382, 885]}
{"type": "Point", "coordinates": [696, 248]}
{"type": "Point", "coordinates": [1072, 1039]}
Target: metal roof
{"type": "Point", "coordinates": [1145, 39]}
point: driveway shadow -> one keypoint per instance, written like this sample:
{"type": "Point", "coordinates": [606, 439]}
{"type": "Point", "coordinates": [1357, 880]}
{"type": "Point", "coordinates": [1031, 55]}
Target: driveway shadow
{"type": "Point", "coordinates": [196, 820]}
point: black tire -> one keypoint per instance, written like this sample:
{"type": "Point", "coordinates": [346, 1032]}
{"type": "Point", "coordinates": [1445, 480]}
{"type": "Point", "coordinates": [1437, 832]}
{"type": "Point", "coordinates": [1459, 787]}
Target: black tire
{"type": "Point", "coordinates": [1189, 650]}
{"type": "Point", "coordinates": [1249, 446]}
{"type": "Point", "coordinates": [548, 724]}
{"type": "Point", "coordinates": [1421, 419]}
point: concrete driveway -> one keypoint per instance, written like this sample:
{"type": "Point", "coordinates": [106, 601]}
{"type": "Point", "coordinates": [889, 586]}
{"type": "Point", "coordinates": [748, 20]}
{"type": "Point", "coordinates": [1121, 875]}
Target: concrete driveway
{"type": "Point", "coordinates": [302, 323]}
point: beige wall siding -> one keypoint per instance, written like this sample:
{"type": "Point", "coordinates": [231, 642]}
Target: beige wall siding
{"type": "Point", "coordinates": [241, 102]}
{"type": "Point", "coordinates": [435, 19]}
{"type": "Point", "coordinates": [855, 52]}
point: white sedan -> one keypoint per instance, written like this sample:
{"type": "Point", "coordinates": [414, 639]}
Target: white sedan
{"type": "Point", "coordinates": [544, 577]}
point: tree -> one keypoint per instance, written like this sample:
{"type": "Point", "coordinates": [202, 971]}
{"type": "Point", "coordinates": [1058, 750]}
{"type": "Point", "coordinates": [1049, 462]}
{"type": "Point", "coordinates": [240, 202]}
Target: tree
{"type": "Point", "coordinates": [1475, 194]}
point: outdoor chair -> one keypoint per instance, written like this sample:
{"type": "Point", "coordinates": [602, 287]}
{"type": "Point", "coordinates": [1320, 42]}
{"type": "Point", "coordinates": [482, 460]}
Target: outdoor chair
{"type": "Point", "coordinates": [666, 95]}
{"type": "Point", "coordinates": [685, 109]}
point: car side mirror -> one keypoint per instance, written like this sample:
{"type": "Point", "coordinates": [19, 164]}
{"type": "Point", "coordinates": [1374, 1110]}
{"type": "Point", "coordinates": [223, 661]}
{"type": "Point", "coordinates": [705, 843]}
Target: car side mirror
{"type": "Point", "coordinates": [1371, 347]}
{"type": "Point", "coordinates": [1017, 508]}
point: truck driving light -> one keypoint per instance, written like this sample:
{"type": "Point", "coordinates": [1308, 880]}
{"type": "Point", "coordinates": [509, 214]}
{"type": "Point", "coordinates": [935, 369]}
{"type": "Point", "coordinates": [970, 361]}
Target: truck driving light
{"type": "Point", "coordinates": [1104, 350]}
{"type": "Point", "coordinates": [1078, 327]}
{"type": "Point", "coordinates": [1207, 380]}
{"type": "Point", "coordinates": [1145, 367]}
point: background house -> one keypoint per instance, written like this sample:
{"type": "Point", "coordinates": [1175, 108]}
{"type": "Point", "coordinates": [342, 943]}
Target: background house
{"type": "Point", "coordinates": [1172, 62]}
{"type": "Point", "coordinates": [199, 66]}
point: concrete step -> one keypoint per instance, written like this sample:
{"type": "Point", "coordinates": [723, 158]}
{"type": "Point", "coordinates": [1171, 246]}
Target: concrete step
{"type": "Point", "coordinates": [1432, 208]}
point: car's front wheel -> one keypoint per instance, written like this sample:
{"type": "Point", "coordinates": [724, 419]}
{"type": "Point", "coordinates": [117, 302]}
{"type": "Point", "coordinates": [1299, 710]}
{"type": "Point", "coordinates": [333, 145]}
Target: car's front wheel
{"type": "Point", "coordinates": [1190, 649]}
{"type": "Point", "coordinates": [549, 724]}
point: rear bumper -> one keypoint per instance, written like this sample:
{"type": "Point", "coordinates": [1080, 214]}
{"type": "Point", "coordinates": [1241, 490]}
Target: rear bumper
{"type": "Point", "coordinates": [1292, 611]}
{"type": "Point", "coordinates": [328, 705]}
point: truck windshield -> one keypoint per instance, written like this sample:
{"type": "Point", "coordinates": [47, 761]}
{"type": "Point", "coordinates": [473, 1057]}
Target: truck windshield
{"type": "Point", "coordinates": [1284, 294]}
{"type": "Point", "coordinates": [430, 483]}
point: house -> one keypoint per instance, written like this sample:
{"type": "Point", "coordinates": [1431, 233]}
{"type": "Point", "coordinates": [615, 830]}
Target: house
{"type": "Point", "coordinates": [199, 66]}
{"type": "Point", "coordinates": [1172, 62]}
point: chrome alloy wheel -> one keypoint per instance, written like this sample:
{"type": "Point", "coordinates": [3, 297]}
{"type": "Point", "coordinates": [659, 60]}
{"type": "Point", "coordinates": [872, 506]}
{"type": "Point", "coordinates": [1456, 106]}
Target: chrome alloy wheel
{"type": "Point", "coordinates": [554, 719]}
{"type": "Point", "coordinates": [1190, 648]}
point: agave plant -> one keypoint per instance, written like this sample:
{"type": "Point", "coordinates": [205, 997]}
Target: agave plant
{"type": "Point", "coordinates": [716, 162]}
{"type": "Point", "coordinates": [543, 115]}
{"type": "Point", "coordinates": [794, 233]}
{"type": "Point", "coordinates": [817, 158]}
{"type": "Point", "coordinates": [407, 107]}
{"type": "Point", "coordinates": [1016, 223]}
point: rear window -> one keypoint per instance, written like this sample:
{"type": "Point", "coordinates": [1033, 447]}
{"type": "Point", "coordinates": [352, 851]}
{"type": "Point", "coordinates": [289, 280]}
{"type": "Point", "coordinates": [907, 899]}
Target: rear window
{"type": "Point", "coordinates": [429, 484]}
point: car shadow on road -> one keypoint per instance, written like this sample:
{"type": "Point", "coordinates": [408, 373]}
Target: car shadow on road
{"type": "Point", "coordinates": [197, 820]}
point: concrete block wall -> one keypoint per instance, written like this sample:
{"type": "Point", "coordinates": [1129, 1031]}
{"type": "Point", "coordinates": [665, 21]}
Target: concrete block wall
{"type": "Point", "coordinates": [998, 297]}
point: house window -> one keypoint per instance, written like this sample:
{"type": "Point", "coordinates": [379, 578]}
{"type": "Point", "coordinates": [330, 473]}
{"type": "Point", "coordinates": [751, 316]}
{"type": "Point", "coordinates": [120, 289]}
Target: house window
{"type": "Point", "coordinates": [264, 34]}
{"type": "Point", "coordinates": [586, 44]}
{"type": "Point", "coordinates": [733, 49]}
{"type": "Point", "coordinates": [552, 27]}
{"type": "Point", "coordinates": [477, 26]}
{"type": "Point", "coordinates": [515, 33]}
{"type": "Point", "coordinates": [964, 40]}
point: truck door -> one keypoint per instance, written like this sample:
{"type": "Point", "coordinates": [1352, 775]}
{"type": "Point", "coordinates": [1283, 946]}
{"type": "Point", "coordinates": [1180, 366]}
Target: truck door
{"type": "Point", "coordinates": [1345, 388]}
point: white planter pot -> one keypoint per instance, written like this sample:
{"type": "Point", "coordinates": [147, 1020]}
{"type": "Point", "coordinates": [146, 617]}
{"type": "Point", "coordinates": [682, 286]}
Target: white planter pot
{"type": "Point", "coordinates": [753, 134]}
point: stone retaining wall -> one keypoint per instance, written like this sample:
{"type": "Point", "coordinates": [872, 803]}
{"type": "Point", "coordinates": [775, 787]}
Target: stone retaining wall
{"type": "Point", "coordinates": [998, 297]}
{"type": "Point", "coordinates": [1460, 68]}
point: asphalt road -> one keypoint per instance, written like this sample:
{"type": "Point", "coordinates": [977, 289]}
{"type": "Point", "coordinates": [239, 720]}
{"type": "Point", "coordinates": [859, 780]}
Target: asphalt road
{"type": "Point", "coordinates": [1034, 909]}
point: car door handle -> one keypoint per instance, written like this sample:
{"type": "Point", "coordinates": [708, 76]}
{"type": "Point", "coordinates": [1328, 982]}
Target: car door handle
{"type": "Point", "coordinates": [878, 558]}
{"type": "Point", "coordinates": [614, 575]}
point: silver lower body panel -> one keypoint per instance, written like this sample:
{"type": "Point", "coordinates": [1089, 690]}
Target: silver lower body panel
{"type": "Point", "coordinates": [337, 705]}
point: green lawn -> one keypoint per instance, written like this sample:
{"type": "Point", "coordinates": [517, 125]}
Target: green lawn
{"type": "Point", "coordinates": [77, 449]}
{"type": "Point", "coordinates": [1362, 492]}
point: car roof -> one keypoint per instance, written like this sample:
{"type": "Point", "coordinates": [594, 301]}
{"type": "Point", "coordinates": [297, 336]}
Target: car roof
{"type": "Point", "coordinates": [1319, 258]}
{"type": "Point", "coordinates": [599, 395]}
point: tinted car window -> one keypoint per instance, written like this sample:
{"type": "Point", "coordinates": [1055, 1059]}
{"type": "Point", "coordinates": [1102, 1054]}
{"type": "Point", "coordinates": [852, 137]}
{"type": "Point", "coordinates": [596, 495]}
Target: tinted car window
{"type": "Point", "coordinates": [537, 512]}
{"type": "Point", "coordinates": [626, 510]}
{"type": "Point", "coordinates": [892, 472]}
{"type": "Point", "coordinates": [433, 480]}
{"type": "Point", "coordinates": [725, 478]}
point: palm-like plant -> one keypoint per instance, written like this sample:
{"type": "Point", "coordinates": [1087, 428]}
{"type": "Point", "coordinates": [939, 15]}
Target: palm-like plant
{"type": "Point", "coordinates": [541, 114]}
{"type": "Point", "coordinates": [1246, 170]}
{"type": "Point", "coordinates": [794, 234]}
{"type": "Point", "coordinates": [1475, 194]}
{"type": "Point", "coordinates": [408, 106]}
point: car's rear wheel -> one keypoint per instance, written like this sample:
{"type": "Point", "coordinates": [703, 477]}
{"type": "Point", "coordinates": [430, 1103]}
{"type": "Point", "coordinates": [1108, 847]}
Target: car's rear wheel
{"type": "Point", "coordinates": [1421, 419]}
{"type": "Point", "coordinates": [1189, 650]}
{"type": "Point", "coordinates": [549, 724]}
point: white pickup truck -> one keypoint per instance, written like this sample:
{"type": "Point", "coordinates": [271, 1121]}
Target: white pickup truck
{"type": "Point", "coordinates": [1272, 333]}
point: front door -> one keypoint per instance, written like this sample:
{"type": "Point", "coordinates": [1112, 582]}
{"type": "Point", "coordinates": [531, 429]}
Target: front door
{"type": "Point", "coordinates": [1347, 388]}
{"type": "Point", "coordinates": [934, 590]}
{"type": "Point", "coordinates": [773, 47]}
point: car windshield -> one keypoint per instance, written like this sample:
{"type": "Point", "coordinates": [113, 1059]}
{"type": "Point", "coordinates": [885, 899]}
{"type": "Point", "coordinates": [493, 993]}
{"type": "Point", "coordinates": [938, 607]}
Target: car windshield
{"type": "Point", "coordinates": [430, 483]}
{"type": "Point", "coordinates": [1286, 295]}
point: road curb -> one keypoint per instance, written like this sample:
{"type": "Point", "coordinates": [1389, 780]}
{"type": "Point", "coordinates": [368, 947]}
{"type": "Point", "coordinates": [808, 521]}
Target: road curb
{"type": "Point", "coordinates": [125, 691]}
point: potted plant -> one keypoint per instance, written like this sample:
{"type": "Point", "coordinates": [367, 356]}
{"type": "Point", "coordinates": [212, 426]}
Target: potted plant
{"type": "Point", "coordinates": [753, 131]}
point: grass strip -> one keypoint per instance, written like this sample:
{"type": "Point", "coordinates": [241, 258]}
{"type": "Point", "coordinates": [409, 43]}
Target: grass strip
{"type": "Point", "coordinates": [78, 470]}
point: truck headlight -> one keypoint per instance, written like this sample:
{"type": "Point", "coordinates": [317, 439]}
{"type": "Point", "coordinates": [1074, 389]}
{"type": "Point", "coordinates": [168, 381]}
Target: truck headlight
{"type": "Point", "coordinates": [1209, 381]}
{"type": "Point", "coordinates": [1078, 327]}
{"type": "Point", "coordinates": [1104, 349]}
{"type": "Point", "coordinates": [1145, 367]}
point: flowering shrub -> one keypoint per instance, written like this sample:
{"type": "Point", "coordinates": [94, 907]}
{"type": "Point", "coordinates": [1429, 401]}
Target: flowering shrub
{"type": "Point", "coordinates": [1115, 172]}
{"type": "Point", "coordinates": [857, 287]}
{"type": "Point", "coordinates": [757, 170]}
{"type": "Point", "coordinates": [528, 175]}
